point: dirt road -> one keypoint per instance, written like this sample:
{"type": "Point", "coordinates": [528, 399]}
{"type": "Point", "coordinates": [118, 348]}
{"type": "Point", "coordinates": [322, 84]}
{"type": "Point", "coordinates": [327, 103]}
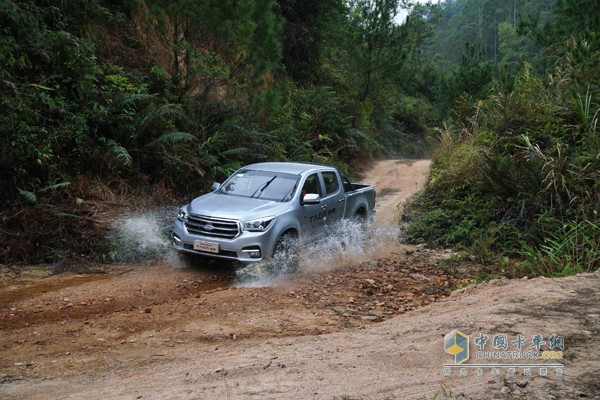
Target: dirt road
{"type": "Point", "coordinates": [368, 324]}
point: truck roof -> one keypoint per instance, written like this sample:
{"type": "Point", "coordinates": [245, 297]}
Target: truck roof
{"type": "Point", "coordinates": [289, 167]}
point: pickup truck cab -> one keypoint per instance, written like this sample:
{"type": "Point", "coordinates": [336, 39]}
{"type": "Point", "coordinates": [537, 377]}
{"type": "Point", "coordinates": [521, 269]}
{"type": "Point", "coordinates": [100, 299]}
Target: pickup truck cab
{"type": "Point", "coordinates": [261, 205]}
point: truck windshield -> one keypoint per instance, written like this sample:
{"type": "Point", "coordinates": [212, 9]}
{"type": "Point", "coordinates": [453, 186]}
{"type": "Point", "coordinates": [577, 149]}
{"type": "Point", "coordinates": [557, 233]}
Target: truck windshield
{"type": "Point", "coordinates": [264, 185]}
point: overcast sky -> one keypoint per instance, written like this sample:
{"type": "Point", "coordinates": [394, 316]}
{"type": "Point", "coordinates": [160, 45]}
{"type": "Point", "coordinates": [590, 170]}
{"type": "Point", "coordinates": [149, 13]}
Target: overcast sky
{"type": "Point", "coordinates": [401, 16]}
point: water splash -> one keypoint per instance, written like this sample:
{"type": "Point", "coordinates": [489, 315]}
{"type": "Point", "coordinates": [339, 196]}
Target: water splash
{"type": "Point", "coordinates": [142, 237]}
{"type": "Point", "coordinates": [345, 243]}
{"type": "Point", "coordinates": [145, 237]}
{"type": "Point", "coordinates": [348, 242]}
{"type": "Point", "coordinates": [271, 271]}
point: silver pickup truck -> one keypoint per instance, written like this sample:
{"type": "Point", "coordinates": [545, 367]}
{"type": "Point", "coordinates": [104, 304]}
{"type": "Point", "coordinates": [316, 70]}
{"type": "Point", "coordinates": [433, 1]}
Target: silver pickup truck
{"type": "Point", "coordinates": [251, 215]}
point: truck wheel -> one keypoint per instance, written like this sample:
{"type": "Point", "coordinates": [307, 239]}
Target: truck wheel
{"type": "Point", "coordinates": [363, 222]}
{"type": "Point", "coordinates": [285, 257]}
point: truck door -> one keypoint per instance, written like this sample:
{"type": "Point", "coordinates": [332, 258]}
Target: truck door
{"type": "Point", "coordinates": [333, 201]}
{"type": "Point", "coordinates": [311, 215]}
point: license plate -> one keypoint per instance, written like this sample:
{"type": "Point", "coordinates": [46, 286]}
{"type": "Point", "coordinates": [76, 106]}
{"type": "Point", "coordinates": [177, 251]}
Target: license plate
{"type": "Point", "coordinates": [206, 246]}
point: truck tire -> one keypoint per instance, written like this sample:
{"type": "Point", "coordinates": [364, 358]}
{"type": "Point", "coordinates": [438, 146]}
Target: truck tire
{"type": "Point", "coordinates": [285, 258]}
{"type": "Point", "coordinates": [362, 220]}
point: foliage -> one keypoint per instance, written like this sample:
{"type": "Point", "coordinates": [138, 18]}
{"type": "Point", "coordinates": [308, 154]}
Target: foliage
{"type": "Point", "coordinates": [65, 113]}
{"type": "Point", "coordinates": [377, 44]}
{"type": "Point", "coordinates": [236, 39]}
{"type": "Point", "coordinates": [520, 177]}
{"type": "Point", "coordinates": [176, 94]}
{"type": "Point", "coordinates": [313, 126]}
{"type": "Point", "coordinates": [479, 23]}
{"type": "Point", "coordinates": [307, 25]}
{"type": "Point", "coordinates": [375, 67]}
{"type": "Point", "coordinates": [570, 249]}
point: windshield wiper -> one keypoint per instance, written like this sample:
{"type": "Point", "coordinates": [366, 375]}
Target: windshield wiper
{"type": "Point", "coordinates": [263, 187]}
{"type": "Point", "coordinates": [290, 194]}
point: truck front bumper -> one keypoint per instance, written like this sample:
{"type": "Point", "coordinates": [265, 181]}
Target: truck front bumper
{"type": "Point", "coordinates": [247, 247]}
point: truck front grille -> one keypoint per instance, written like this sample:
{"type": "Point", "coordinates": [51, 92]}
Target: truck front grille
{"type": "Point", "coordinates": [212, 227]}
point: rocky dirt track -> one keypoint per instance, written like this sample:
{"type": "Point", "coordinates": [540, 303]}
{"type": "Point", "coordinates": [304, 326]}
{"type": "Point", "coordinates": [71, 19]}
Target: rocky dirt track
{"type": "Point", "coordinates": [365, 326]}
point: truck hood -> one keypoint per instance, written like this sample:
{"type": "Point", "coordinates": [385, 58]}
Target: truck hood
{"type": "Point", "coordinates": [234, 207]}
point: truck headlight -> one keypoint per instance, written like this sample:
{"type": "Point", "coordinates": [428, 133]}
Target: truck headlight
{"type": "Point", "coordinates": [258, 225]}
{"type": "Point", "coordinates": [182, 214]}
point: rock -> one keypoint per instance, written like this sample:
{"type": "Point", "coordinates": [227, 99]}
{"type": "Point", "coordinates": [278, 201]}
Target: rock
{"type": "Point", "coordinates": [369, 317]}
{"type": "Point", "coordinates": [420, 277]}
{"type": "Point", "coordinates": [522, 384]}
{"type": "Point", "coordinates": [505, 390]}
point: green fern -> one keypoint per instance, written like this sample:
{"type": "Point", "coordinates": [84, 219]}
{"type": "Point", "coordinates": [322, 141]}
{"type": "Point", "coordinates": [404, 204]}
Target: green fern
{"type": "Point", "coordinates": [130, 99]}
{"type": "Point", "coordinates": [148, 117]}
{"type": "Point", "coordinates": [56, 186]}
{"type": "Point", "coordinates": [235, 152]}
{"type": "Point", "coordinates": [29, 196]}
{"type": "Point", "coordinates": [171, 138]}
{"type": "Point", "coordinates": [120, 153]}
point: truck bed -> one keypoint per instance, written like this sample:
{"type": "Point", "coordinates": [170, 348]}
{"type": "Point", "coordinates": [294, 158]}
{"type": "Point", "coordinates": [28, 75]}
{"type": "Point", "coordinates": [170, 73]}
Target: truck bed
{"type": "Point", "coordinates": [353, 187]}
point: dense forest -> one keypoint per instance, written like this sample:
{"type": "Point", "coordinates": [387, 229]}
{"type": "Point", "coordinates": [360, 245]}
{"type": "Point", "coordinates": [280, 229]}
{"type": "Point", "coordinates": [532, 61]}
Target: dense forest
{"type": "Point", "coordinates": [164, 97]}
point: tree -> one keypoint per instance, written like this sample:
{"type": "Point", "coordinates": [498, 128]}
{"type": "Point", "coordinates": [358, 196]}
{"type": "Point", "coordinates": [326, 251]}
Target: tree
{"type": "Point", "coordinates": [225, 38]}
{"type": "Point", "coordinates": [378, 43]}
{"type": "Point", "coordinates": [512, 48]}
{"type": "Point", "coordinates": [309, 24]}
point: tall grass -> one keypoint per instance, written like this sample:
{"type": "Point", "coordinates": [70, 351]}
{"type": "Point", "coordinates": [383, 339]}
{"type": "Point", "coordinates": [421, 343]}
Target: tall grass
{"type": "Point", "coordinates": [574, 248]}
{"type": "Point", "coordinates": [519, 176]}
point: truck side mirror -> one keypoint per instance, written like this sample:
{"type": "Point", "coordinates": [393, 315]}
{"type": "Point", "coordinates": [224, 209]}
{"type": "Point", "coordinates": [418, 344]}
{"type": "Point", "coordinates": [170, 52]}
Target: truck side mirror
{"type": "Point", "coordinates": [311, 198]}
{"type": "Point", "coordinates": [215, 186]}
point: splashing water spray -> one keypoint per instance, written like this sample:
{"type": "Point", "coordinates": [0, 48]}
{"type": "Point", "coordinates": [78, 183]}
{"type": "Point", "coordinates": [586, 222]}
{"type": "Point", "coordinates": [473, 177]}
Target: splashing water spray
{"type": "Point", "coordinates": [347, 242]}
{"type": "Point", "coordinates": [145, 237]}
{"type": "Point", "coordinates": [142, 237]}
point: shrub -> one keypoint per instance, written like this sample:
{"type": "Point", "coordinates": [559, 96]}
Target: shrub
{"type": "Point", "coordinates": [519, 176]}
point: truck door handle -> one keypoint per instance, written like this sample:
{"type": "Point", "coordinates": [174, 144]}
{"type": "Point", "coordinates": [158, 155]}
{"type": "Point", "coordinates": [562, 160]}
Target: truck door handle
{"type": "Point", "coordinates": [324, 206]}
{"type": "Point", "coordinates": [340, 200]}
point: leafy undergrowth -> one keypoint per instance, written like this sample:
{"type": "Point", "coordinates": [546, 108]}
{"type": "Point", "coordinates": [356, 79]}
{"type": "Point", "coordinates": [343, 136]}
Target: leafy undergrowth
{"type": "Point", "coordinates": [519, 177]}
{"type": "Point", "coordinates": [76, 229]}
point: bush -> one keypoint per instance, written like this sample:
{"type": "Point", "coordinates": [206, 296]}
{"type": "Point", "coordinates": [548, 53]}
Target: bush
{"type": "Point", "coordinates": [519, 176]}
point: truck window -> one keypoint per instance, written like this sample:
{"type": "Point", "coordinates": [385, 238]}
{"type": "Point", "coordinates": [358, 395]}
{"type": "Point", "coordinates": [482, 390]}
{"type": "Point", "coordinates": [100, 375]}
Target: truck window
{"type": "Point", "coordinates": [311, 185]}
{"type": "Point", "coordinates": [261, 185]}
{"type": "Point", "coordinates": [347, 185]}
{"type": "Point", "coordinates": [331, 182]}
